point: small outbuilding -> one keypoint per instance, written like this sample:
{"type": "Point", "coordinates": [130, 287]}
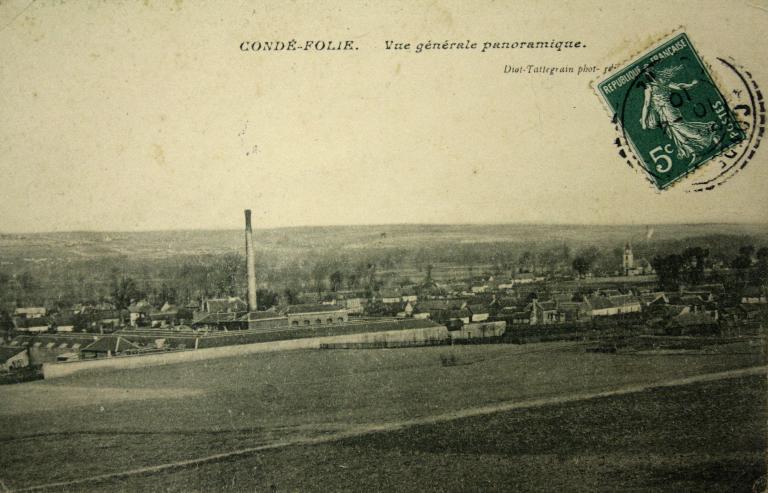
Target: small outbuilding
{"type": "Point", "coordinates": [106, 347]}
{"type": "Point", "coordinates": [13, 358]}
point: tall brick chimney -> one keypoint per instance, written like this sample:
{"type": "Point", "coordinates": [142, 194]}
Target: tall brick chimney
{"type": "Point", "coordinates": [250, 258]}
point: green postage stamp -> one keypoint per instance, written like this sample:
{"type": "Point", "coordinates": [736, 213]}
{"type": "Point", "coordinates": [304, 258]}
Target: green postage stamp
{"type": "Point", "coordinates": [670, 111]}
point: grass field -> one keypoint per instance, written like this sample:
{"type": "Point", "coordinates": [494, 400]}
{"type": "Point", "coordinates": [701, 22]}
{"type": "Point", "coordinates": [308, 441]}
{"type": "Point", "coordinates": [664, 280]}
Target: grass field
{"type": "Point", "coordinates": [97, 423]}
{"type": "Point", "coordinates": [703, 437]}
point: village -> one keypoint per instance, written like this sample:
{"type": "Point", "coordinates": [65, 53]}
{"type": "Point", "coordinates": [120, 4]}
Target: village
{"type": "Point", "coordinates": [513, 307]}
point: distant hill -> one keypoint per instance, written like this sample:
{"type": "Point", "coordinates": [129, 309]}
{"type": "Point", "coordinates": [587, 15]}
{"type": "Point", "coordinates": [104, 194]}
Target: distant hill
{"type": "Point", "coordinates": [69, 267]}
{"type": "Point", "coordinates": [164, 244]}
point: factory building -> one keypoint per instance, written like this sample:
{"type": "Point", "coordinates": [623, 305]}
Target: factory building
{"type": "Point", "coordinates": [293, 316]}
{"type": "Point", "coordinates": [307, 315]}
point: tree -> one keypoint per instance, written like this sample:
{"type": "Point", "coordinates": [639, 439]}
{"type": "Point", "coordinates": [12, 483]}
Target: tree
{"type": "Point", "coordinates": [693, 264]}
{"type": "Point", "coordinates": [26, 281]}
{"type": "Point", "coordinates": [352, 280]}
{"type": "Point", "coordinates": [762, 254]}
{"type": "Point", "coordinates": [428, 276]}
{"type": "Point", "coordinates": [741, 262]}
{"type": "Point", "coordinates": [581, 265]}
{"type": "Point", "coordinates": [525, 261]}
{"type": "Point", "coordinates": [585, 259]}
{"type": "Point", "coordinates": [318, 274]}
{"type": "Point", "coordinates": [6, 324]}
{"type": "Point", "coordinates": [5, 280]}
{"type": "Point", "coordinates": [227, 273]}
{"type": "Point", "coordinates": [290, 296]}
{"type": "Point", "coordinates": [760, 274]}
{"type": "Point", "coordinates": [668, 271]}
{"type": "Point", "coordinates": [336, 279]}
{"type": "Point", "coordinates": [266, 299]}
{"type": "Point", "coordinates": [80, 322]}
{"type": "Point", "coordinates": [371, 273]}
{"type": "Point", "coordinates": [123, 292]}
{"type": "Point", "coordinates": [747, 251]}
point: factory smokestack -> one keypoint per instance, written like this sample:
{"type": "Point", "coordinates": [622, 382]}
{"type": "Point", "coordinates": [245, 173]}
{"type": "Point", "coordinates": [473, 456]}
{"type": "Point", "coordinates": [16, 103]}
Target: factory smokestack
{"type": "Point", "coordinates": [250, 258]}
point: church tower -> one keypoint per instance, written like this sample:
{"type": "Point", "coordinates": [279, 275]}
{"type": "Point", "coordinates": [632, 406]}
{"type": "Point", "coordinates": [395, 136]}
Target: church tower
{"type": "Point", "coordinates": [628, 262]}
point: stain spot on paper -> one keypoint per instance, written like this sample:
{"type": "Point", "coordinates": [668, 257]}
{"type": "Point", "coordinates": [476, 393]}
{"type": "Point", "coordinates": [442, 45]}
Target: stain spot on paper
{"type": "Point", "coordinates": [158, 154]}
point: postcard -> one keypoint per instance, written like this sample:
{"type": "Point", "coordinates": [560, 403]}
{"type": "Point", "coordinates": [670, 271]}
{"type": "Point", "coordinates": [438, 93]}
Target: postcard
{"type": "Point", "coordinates": [383, 246]}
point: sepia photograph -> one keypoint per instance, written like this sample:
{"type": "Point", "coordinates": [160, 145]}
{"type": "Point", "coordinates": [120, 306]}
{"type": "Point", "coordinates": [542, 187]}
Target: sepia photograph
{"type": "Point", "coordinates": [449, 246]}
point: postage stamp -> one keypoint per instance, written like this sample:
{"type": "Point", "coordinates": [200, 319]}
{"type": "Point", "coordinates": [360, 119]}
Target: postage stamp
{"type": "Point", "coordinates": [670, 111]}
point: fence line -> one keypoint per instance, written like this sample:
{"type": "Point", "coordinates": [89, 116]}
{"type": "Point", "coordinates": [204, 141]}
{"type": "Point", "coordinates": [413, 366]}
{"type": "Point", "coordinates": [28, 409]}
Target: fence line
{"type": "Point", "coordinates": [57, 370]}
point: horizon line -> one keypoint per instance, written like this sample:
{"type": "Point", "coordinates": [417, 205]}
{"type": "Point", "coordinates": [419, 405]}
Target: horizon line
{"type": "Point", "coordinates": [373, 225]}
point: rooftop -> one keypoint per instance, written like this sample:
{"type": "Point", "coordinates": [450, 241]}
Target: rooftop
{"type": "Point", "coordinates": [7, 353]}
{"type": "Point", "coordinates": [115, 344]}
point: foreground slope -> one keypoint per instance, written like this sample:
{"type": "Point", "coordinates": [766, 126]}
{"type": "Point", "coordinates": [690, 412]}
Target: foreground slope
{"type": "Point", "coordinates": [107, 422]}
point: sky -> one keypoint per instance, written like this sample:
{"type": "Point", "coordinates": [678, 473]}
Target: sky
{"type": "Point", "coordinates": [148, 116]}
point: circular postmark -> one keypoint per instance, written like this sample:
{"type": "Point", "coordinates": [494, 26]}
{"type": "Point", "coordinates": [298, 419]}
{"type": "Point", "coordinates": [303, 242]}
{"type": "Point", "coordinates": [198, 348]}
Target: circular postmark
{"type": "Point", "coordinates": [745, 100]}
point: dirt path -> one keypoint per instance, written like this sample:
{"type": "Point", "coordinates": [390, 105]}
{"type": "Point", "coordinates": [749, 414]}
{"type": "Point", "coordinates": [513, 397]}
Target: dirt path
{"type": "Point", "coordinates": [399, 425]}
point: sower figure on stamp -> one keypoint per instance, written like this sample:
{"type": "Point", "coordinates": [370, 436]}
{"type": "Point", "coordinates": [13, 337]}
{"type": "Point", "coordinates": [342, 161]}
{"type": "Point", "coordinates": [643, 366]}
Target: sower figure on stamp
{"type": "Point", "coordinates": [690, 138]}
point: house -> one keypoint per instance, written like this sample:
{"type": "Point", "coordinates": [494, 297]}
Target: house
{"type": "Point", "coordinates": [512, 315]}
{"type": "Point", "coordinates": [163, 319]}
{"type": "Point", "coordinates": [693, 301]}
{"type": "Point", "coordinates": [574, 311]}
{"type": "Point", "coordinates": [626, 303]}
{"type": "Point", "coordinates": [167, 315]}
{"type": "Point", "coordinates": [30, 312]}
{"type": "Point", "coordinates": [646, 299]}
{"type": "Point", "coordinates": [63, 320]}
{"type": "Point", "coordinates": [704, 295]}
{"type": "Point", "coordinates": [716, 289]}
{"type": "Point", "coordinates": [354, 305]}
{"type": "Point", "coordinates": [104, 305]}
{"type": "Point", "coordinates": [462, 314]}
{"type": "Point", "coordinates": [480, 313]}
{"type": "Point", "coordinates": [632, 267]}
{"type": "Point", "coordinates": [754, 295]}
{"type": "Point", "coordinates": [232, 304]}
{"type": "Point", "coordinates": [479, 331]}
{"type": "Point", "coordinates": [407, 309]}
{"type": "Point", "coordinates": [101, 319]}
{"type": "Point", "coordinates": [752, 312]}
{"type": "Point", "coordinates": [642, 267]}
{"type": "Point", "coordinates": [435, 309]}
{"type": "Point", "coordinates": [545, 313]}
{"type": "Point", "coordinates": [495, 306]}
{"type": "Point", "coordinates": [562, 297]}
{"type": "Point", "coordinates": [139, 312]}
{"type": "Point", "coordinates": [221, 321]}
{"type": "Point", "coordinates": [67, 357]}
{"type": "Point", "coordinates": [610, 292]}
{"type": "Point", "coordinates": [390, 297]}
{"type": "Point", "coordinates": [107, 347]}
{"type": "Point", "coordinates": [13, 358]}
{"type": "Point", "coordinates": [522, 318]}
{"type": "Point", "coordinates": [601, 306]}
{"type": "Point", "coordinates": [22, 324]}
{"type": "Point", "coordinates": [692, 324]}
{"type": "Point", "coordinates": [447, 313]}
{"type": "Point", "coordinates": [310, 297]}
{"type": "Point", "coordinates": [526, 278]}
